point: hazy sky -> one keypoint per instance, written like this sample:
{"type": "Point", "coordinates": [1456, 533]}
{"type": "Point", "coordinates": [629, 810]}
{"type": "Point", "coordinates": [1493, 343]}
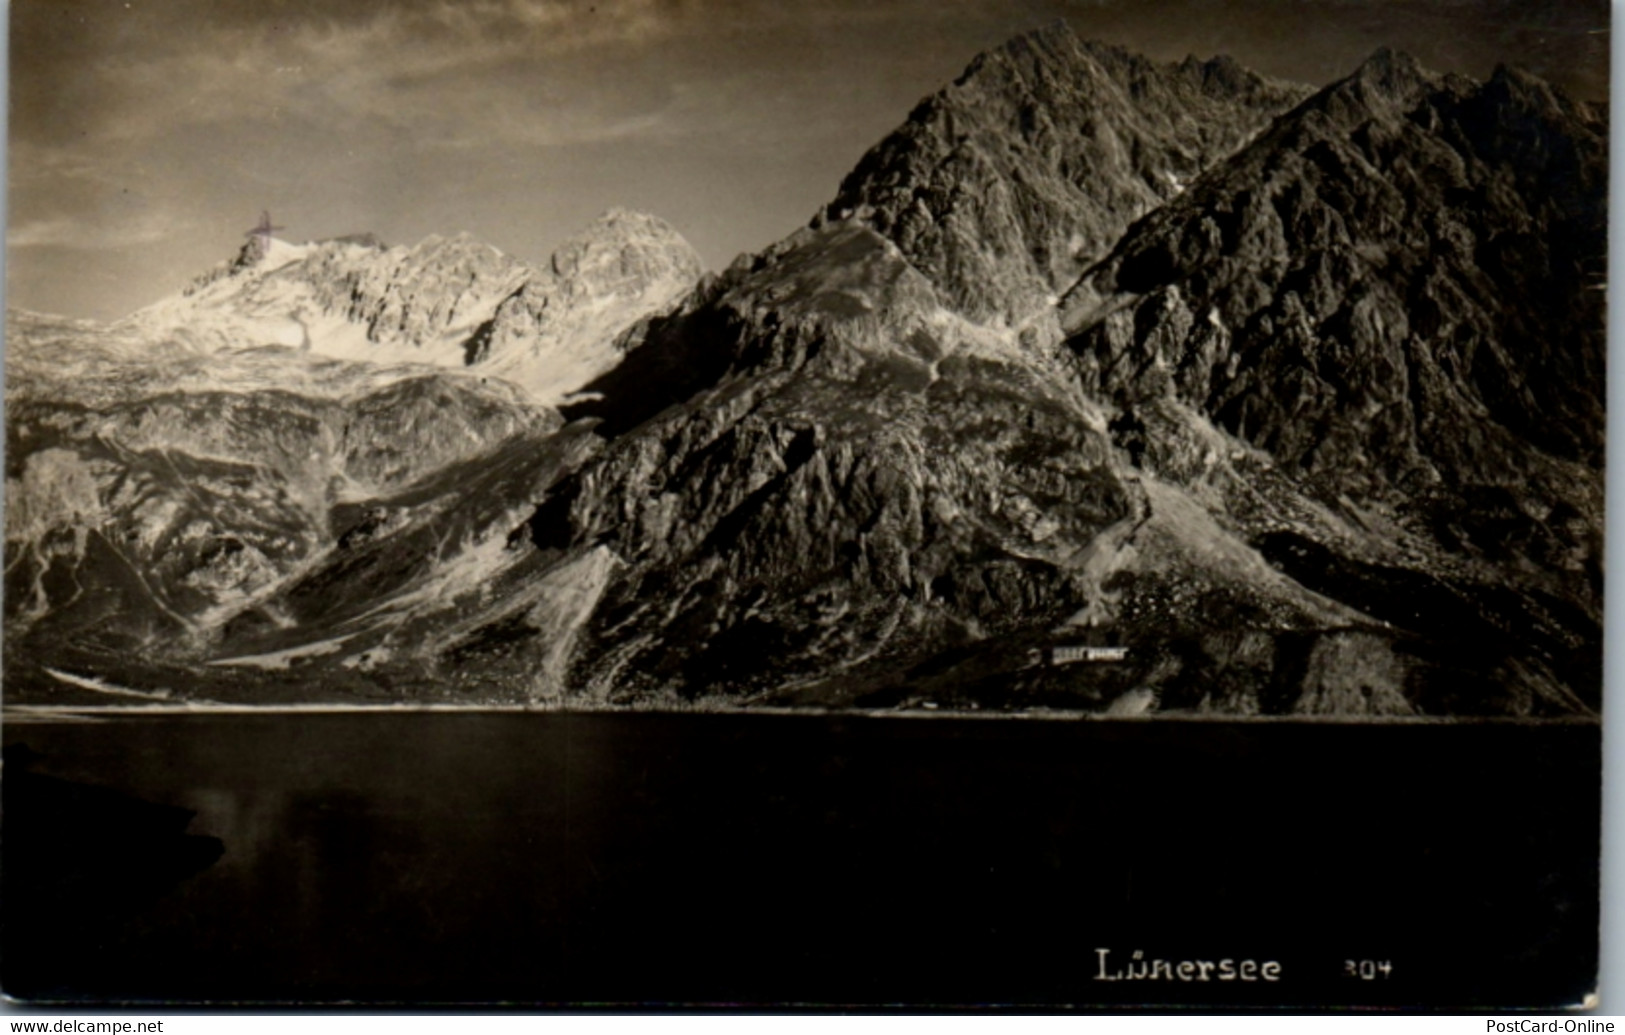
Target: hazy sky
{"type": "Point", "coordinates": [147, 135]}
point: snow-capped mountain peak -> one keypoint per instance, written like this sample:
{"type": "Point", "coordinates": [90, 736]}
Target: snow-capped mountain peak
{"type": "Point", "coordinates": [446, 301]}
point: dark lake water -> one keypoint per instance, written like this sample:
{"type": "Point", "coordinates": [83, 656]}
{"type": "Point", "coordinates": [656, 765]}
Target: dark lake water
{"type": "Point", "coordinates": [646, 858]}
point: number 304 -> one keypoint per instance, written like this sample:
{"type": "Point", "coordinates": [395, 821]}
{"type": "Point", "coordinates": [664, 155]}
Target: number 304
{"type": "Point", "coordinates": [1367, 970]}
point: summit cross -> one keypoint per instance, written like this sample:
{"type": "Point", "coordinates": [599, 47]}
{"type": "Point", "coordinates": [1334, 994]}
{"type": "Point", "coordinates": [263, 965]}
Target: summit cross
{"type": "Point", "coordinates": [264, 230]}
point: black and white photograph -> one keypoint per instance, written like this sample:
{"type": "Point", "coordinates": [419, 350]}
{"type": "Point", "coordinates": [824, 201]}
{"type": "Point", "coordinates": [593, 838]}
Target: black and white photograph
{"type": "Point", "coordinates": [846, 505]}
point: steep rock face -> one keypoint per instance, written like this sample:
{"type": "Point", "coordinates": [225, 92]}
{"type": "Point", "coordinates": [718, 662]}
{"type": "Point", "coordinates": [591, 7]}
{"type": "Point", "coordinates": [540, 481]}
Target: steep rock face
{"type": "Point", "coordinates": [811, 484]}
{"type": "Point", "coordinates": [350, 298]}
{"type": "Point", "coordinates": [182, 468]}
{"type": "Point", "coordinates": [417, 580]}
{"type": "Point", "coordinates": [1393, 262]}
{"type": "Point", "coordinates": [821, 485]}
{"type": "Point", "coordinates": [438, 289]}
{"type": "Point", "coordinates": [1004, 186]}
{"type": "Point", "coordinates": [859, 472]}
{"type": "Point", "coordinates": [1395, 292]}
{"type": "Point", "coordinates": [558, 331]}
{"type": "Point", "coordinates": [149, 514]}
{"type": "Point", "coordinates": [444, 301]}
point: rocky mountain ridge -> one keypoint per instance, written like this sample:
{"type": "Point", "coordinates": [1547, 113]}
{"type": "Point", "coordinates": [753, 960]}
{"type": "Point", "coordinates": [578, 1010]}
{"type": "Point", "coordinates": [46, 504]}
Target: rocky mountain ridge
{"type": "Point", "coordinates": [1396, 294]}
{"type": "Point", "coordinates": [450, 302]}
{"type": "Point", "coordinates": [1291, 396]}
{"type": "Point", "coordinates": [1005, 185]}
{"type": "Point", "coordinates": [172, 469]}
{"type": "Point", "coordinates": [148, 501]}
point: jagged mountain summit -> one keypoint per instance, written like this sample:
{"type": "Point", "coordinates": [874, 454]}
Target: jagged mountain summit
{"type": "Point", "coordinates": [174, 468]}
{"type": "Point", "coordinates": [1005, 185]}
{"type": "Point", "coordinates": [1100, 385]}
{"type": "Point", "coordinates": [1397, 293]}
{"type": "Point", "coordinates": [450, 302]}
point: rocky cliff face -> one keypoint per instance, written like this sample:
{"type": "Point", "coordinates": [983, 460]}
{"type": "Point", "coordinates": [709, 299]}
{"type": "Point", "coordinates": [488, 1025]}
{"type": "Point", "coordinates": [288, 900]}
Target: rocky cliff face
{"type": "Point", "coordinates": [874, 501]}
{"type": "Point", "coordinates": [1397, 294]}
{"type": "Point", "coordinates": [1002, 187]}
{"type": "Point", "coordinates": [558, 331]}
{"type": "Point", "coordinates": [350, 298]}
{"type": "Point", "coordinates": [170, 472]}
{"type": "Point", "coordinates": [452, 302]}
{"type": "Point", "coordinates": [1293, 396]}
{"type": "Point", "coordinates": [1401, 281]}
{"type": "Point", "coordinates": [149, 502]}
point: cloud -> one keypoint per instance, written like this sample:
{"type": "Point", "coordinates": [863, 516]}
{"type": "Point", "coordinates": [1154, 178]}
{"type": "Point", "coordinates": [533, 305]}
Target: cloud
{"type": "Point", "coordinates": [450, 74]}
{"type": "Point", "coordinates": [406, 116]}
{"type": "Point", "coordinates": [447, 73]}
{"type": "Point", "coordinates": [62, 231]}
{"type": "Point", "coordinates": [34, 164]}
{"type": "Point", "coordinates": [278, 96]}
{"type": "Point", "coordinates": [260, 97]}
